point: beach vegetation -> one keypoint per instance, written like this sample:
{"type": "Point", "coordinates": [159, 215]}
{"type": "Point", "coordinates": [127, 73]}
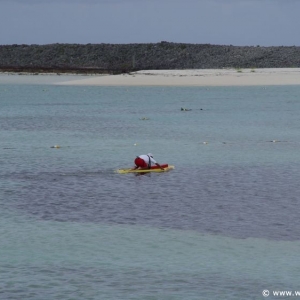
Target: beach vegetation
{"type": "Point", "coordinates": [166, 45]}
{"type": "Point", "coordinates": [39, 50]}
{"type": "Point", "coordinates": [164, 55]}
{"type": "Point", "coordinates": [125, 67]}
{"type": "Point", "coordinates": [61, 50]}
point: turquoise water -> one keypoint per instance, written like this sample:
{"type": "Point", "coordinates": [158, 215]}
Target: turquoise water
{"type": "Point", "coordinates": [223, 225]}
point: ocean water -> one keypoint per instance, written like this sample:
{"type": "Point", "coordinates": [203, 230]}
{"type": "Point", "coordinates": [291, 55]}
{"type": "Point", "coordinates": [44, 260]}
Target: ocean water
{"type": "Point", "coordinates": [224, 224]}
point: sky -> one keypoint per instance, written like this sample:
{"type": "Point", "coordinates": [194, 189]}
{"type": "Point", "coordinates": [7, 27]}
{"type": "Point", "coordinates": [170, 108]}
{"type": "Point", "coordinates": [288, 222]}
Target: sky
{"type": "Point", "coordinates": [219, 22]}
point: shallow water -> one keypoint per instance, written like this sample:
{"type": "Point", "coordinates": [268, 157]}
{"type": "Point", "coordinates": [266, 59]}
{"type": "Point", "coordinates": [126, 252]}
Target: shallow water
{"type": "Point", "coordinates": [222, 225]}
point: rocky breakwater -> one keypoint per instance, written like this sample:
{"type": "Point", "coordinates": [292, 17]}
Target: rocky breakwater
{"type": "Point", "coordinates": [118, 58]}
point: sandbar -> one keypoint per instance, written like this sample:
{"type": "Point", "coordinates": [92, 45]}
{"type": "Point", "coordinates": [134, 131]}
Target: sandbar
{"type": "Point", "coordinates": [191, 77]}
{"type": "Point", "coordinates": [199, 77]}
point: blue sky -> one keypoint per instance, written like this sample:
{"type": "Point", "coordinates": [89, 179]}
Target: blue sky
{"type": "Point", "coordinates": [222, 22]}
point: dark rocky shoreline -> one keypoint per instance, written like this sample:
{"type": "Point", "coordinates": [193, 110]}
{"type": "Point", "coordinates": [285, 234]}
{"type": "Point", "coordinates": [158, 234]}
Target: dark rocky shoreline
{"type": "Point", "coordinates": [122, 58]}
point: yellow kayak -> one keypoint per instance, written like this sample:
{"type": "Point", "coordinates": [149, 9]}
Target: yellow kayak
{"type": "Point", "coordinates": [153, 169]}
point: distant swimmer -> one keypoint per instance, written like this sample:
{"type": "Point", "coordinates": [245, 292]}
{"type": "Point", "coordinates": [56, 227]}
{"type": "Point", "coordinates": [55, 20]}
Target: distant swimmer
{"type": "Point", "coordinates": [144, 162]}
{"type": "Point", "coordinates": [185, 109]}
{"type": "Point", "coordinates": [55, 146]}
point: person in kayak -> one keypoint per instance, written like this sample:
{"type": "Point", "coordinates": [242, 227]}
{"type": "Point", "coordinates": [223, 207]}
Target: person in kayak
{"type": "Point", "coordinates": [144, 162]}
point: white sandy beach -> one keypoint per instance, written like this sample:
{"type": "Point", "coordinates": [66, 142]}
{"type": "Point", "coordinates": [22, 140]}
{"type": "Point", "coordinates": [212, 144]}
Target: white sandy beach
{"type": "Point", "coordinates": [220, 77]}
{"type": "Point", "coordinates": [197, 77]}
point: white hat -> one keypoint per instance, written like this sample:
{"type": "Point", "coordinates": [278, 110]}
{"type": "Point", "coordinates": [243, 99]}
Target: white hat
{"type": "Point", "coordinates": [150, 154]}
